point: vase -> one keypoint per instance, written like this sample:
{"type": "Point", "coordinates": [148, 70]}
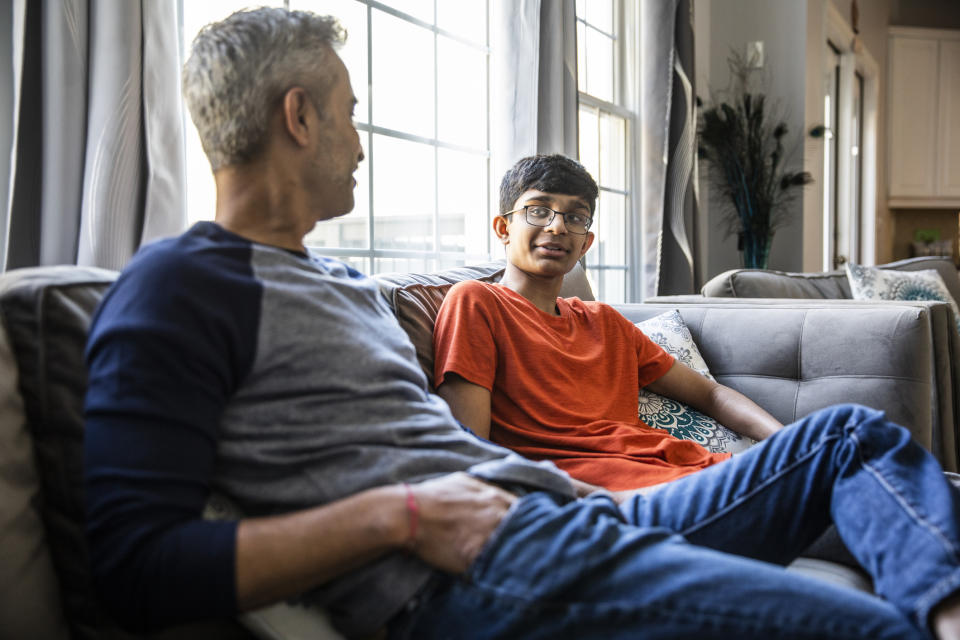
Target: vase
{"type": "Point", "coordinates": [754, 249]}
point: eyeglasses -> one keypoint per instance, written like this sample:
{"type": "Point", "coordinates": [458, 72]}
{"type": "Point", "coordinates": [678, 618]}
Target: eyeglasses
{"type": "Point", "coordinates": [540, 216]}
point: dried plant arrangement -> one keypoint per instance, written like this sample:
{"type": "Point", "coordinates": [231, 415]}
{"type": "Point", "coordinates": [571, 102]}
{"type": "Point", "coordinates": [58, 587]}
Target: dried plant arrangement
{"type": "Point", "coordinates": [742, 140]}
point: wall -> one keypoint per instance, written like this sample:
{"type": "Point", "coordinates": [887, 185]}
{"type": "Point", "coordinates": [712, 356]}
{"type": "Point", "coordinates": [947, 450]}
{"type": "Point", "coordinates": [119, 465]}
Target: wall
{"type": "Point", "coordinates": [939, 14]}
{"type": "Point", "coordinates": [731, 24]}
{"type": "Point", "coordinates": [794, 57]}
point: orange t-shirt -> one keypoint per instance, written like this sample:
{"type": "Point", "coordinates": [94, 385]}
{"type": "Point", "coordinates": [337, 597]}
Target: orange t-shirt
{"type": "Point", "coordinates": [563, 388]}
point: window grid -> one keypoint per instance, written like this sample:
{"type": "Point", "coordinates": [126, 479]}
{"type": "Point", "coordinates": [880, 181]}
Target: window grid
{"type": "Point", "coordinates": [433, 251]}
{"type": "Point", "coordinates": [370, 258]}
{"type": "Point", "coordinates": [607, 260]}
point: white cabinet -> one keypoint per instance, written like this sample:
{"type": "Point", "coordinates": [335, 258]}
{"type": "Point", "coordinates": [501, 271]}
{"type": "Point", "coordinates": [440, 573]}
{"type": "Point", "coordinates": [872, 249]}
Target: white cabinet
{"type": "Point", "coordinates": [923, 141]}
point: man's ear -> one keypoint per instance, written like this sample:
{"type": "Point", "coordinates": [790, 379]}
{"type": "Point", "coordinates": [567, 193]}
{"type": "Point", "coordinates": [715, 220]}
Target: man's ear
{"type": "Point", "coordinates": [500, 227]}
{"type": "Point", "coordinates": [586, 245]}
{"type": "Point", "coordinates": [296, 109]}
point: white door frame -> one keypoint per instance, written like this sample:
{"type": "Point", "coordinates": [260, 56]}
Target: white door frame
{"type": "Point", "coordinates": [853, 60]}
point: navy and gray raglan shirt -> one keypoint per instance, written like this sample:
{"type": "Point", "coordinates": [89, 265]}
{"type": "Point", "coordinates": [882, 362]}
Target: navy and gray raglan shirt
{"type": "Point", "coordinates": [280, 380]}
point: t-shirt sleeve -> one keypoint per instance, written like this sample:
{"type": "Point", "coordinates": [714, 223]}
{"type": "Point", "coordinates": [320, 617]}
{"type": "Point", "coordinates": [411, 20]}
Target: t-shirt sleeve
{"type": "Point", "coordinates": [463, 337]}
{"type": "Point", "coordinates": [166, 350]}
{"type": "Point", "coordinates": [653, 362]}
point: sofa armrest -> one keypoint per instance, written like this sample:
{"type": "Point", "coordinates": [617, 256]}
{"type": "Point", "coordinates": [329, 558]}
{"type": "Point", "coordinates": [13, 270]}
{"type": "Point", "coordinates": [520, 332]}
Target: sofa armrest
{"type": "Point", "coordinates": [796, 356]}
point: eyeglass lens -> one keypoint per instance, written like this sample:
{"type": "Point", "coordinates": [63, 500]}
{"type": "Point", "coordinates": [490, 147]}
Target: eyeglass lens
{"type": "Point", "coordinates": [543, 216]}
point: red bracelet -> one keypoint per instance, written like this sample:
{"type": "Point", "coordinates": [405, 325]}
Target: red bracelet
{"type": "Point", "coordinates": [413, 513]}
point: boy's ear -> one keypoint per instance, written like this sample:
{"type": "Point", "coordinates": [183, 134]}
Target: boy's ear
{"type": "Point", "coordinates": [586, 245]}
{"type": "Point", "coordinates": [500, 227]}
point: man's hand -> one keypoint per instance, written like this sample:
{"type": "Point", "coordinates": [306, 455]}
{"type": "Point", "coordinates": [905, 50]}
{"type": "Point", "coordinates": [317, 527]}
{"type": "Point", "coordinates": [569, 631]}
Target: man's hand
{"type": "Point", "coordinates": [457, 515]}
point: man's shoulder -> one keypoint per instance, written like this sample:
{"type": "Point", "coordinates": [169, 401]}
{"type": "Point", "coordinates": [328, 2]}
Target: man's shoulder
{"type": "Point", "coordinates": [200, 267]}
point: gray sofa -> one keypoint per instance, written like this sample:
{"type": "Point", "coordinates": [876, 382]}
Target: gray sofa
{"type": "Point", "coordinates": [773, 287]}
{"type": "Point", "coordinates": [829, 285]}
{"type": "Point", "coordinates": [790, 358]}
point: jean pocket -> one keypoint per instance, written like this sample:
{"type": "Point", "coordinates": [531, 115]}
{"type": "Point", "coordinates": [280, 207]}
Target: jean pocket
{"type": "Point", "coordinates": [477, 567]}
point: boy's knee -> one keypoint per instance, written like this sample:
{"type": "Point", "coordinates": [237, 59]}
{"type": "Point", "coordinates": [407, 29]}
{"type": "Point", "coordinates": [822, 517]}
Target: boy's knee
{"type": "Point", "coordinates": [848, 419]}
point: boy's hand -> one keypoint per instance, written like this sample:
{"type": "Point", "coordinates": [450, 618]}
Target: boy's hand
{"type": "Point", "coordinates": [457, 514]}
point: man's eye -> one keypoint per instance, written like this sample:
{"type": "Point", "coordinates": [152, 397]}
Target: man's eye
{"type": "Point", "coordinates": [576, 218]}
{"type": "Point", "coordinates": [539, 212]}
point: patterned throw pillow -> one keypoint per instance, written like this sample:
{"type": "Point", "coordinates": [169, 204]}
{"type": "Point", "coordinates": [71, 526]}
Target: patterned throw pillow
{"type": "Point", "coordinates": [870, 283]}
{"type": "Point", "coordinates": [669, 331]}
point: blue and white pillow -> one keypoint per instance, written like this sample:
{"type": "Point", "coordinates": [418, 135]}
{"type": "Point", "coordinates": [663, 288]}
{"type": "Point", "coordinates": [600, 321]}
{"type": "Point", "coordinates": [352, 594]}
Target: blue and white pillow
{"type": "Point", "coordinates": [870, 283]}
{"type": "Point", "coordinates": [669, 331]}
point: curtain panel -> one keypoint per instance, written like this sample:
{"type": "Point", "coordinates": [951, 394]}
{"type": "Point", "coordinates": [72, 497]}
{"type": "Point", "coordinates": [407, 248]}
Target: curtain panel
{"type": "Point", "coordinates": [534, 106]}
{"type": "Point", "coordinates": [662, 94]}
{"type": "Point", "coordinates": [97, 160]}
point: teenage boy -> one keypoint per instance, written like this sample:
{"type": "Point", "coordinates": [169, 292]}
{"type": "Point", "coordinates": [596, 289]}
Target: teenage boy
{"type": "Point", "coordinates": [557, 379]}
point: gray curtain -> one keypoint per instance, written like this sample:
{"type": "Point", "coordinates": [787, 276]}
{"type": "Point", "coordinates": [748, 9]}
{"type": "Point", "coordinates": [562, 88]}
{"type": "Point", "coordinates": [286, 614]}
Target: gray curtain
{"type": "Point", "coordinates": [665, 140]}
{"type": "Point", "coordinates": [98, 131]}
{"type": "Point", "coordinates": [534, 91]}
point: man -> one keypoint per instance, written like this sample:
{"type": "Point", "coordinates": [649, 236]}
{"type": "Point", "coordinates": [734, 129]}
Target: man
{"type": "Point", "coordinates": [232, 360]}
{"type": "Point", "coordinates": [556, 379]}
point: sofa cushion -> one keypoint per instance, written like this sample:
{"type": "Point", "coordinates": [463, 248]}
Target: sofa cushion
{"type": "Point", "coordinates": [47, 313]}
{"type": "Point", "coordinates": [870, 283]}
{"type": "Point", "coordinates": [669, 331]}
{"type": "Point", "coordinates": [29, 593]}
{"type": "Point", "coordinates": [762, 283]}
{"type": "Point", "coordinates": [830, 285]}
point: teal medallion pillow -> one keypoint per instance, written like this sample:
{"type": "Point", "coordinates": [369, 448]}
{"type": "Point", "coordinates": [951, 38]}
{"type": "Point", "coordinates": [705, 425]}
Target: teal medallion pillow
{"type": "Point", "coordinates": [669, 331]}
{"type": "Point", "coordinates": [870, 283]}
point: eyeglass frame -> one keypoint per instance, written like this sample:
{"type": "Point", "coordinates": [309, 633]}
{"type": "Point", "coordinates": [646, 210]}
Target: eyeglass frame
{"type": "Point", "coordinates": [553, 217]}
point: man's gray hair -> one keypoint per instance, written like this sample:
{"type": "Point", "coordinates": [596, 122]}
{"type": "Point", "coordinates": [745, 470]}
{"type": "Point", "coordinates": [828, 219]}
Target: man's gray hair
{"type": "Point", "coordinates": [240, 67]}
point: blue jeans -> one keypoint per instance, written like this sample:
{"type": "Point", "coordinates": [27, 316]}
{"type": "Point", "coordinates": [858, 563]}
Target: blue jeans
{"type": "Point", "coordinates": [700, 557]}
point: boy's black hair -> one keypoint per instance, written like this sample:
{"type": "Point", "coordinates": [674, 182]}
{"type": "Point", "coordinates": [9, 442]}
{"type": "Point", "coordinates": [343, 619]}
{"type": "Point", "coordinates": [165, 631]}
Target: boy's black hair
{"type": "Point", "coordinates": [549, 173]}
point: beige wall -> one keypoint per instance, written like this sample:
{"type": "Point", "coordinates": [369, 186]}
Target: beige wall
{"type": "Point", "coordinates": [724, 23]}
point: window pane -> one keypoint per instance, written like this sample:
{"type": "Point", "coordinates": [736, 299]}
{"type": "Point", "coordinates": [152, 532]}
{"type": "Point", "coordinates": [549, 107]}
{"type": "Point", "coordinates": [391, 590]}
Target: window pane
{"type": "Point", "coordinates": [581, 57]}
{"type": "Point", "coordinates": [612, 285]}
{"type": "Point", "coordinates": [467, 18]}
{"type": "Point", "coordinates": [600, 59]}
{"type": "Point", "coordinates": [404, 265]}
{"type": "Point", "coordinates": [462, 98]}
{"type": "Point", "coordinates": [449, 262]}
{"type": "Point", "coordinates": [589, 141]}
{"type": "Point", "coordinates": [610, 244]}
{"type": "Point", "coordinates": [403, 94]}
{"type": "Point", "coordinates": [349, 231]}
{"type": "Point", "coordinates": [463, 203]}
{"type": "Point", "coordinates": [403, 194]}
{"type": "Point", "coordinates": [581, 8]}
{"type": "Point", "coordinates": [353, 17]}
{"type": "Point", "coordinates": [600, 14]}
{"type": "Point", "coordinates": [613, 131]}
{"type": "Point", "coordinates": [420, 9]}
{"type": "Point", "coordinates": [201, 190]}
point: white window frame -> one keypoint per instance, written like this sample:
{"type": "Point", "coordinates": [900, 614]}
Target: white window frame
{"type": "Point", "coordinates": [621, 55]}
{"type": "Point", "coordinates": [370, 255]}
{"type": "Point", "coordinates": [435, 258]}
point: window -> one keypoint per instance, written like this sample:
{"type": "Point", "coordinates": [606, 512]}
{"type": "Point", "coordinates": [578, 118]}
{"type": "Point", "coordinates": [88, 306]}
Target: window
{"type": "Point", "coordinates": [420, 71]}
{"type": "Point", "coordinates": [604, 129]}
